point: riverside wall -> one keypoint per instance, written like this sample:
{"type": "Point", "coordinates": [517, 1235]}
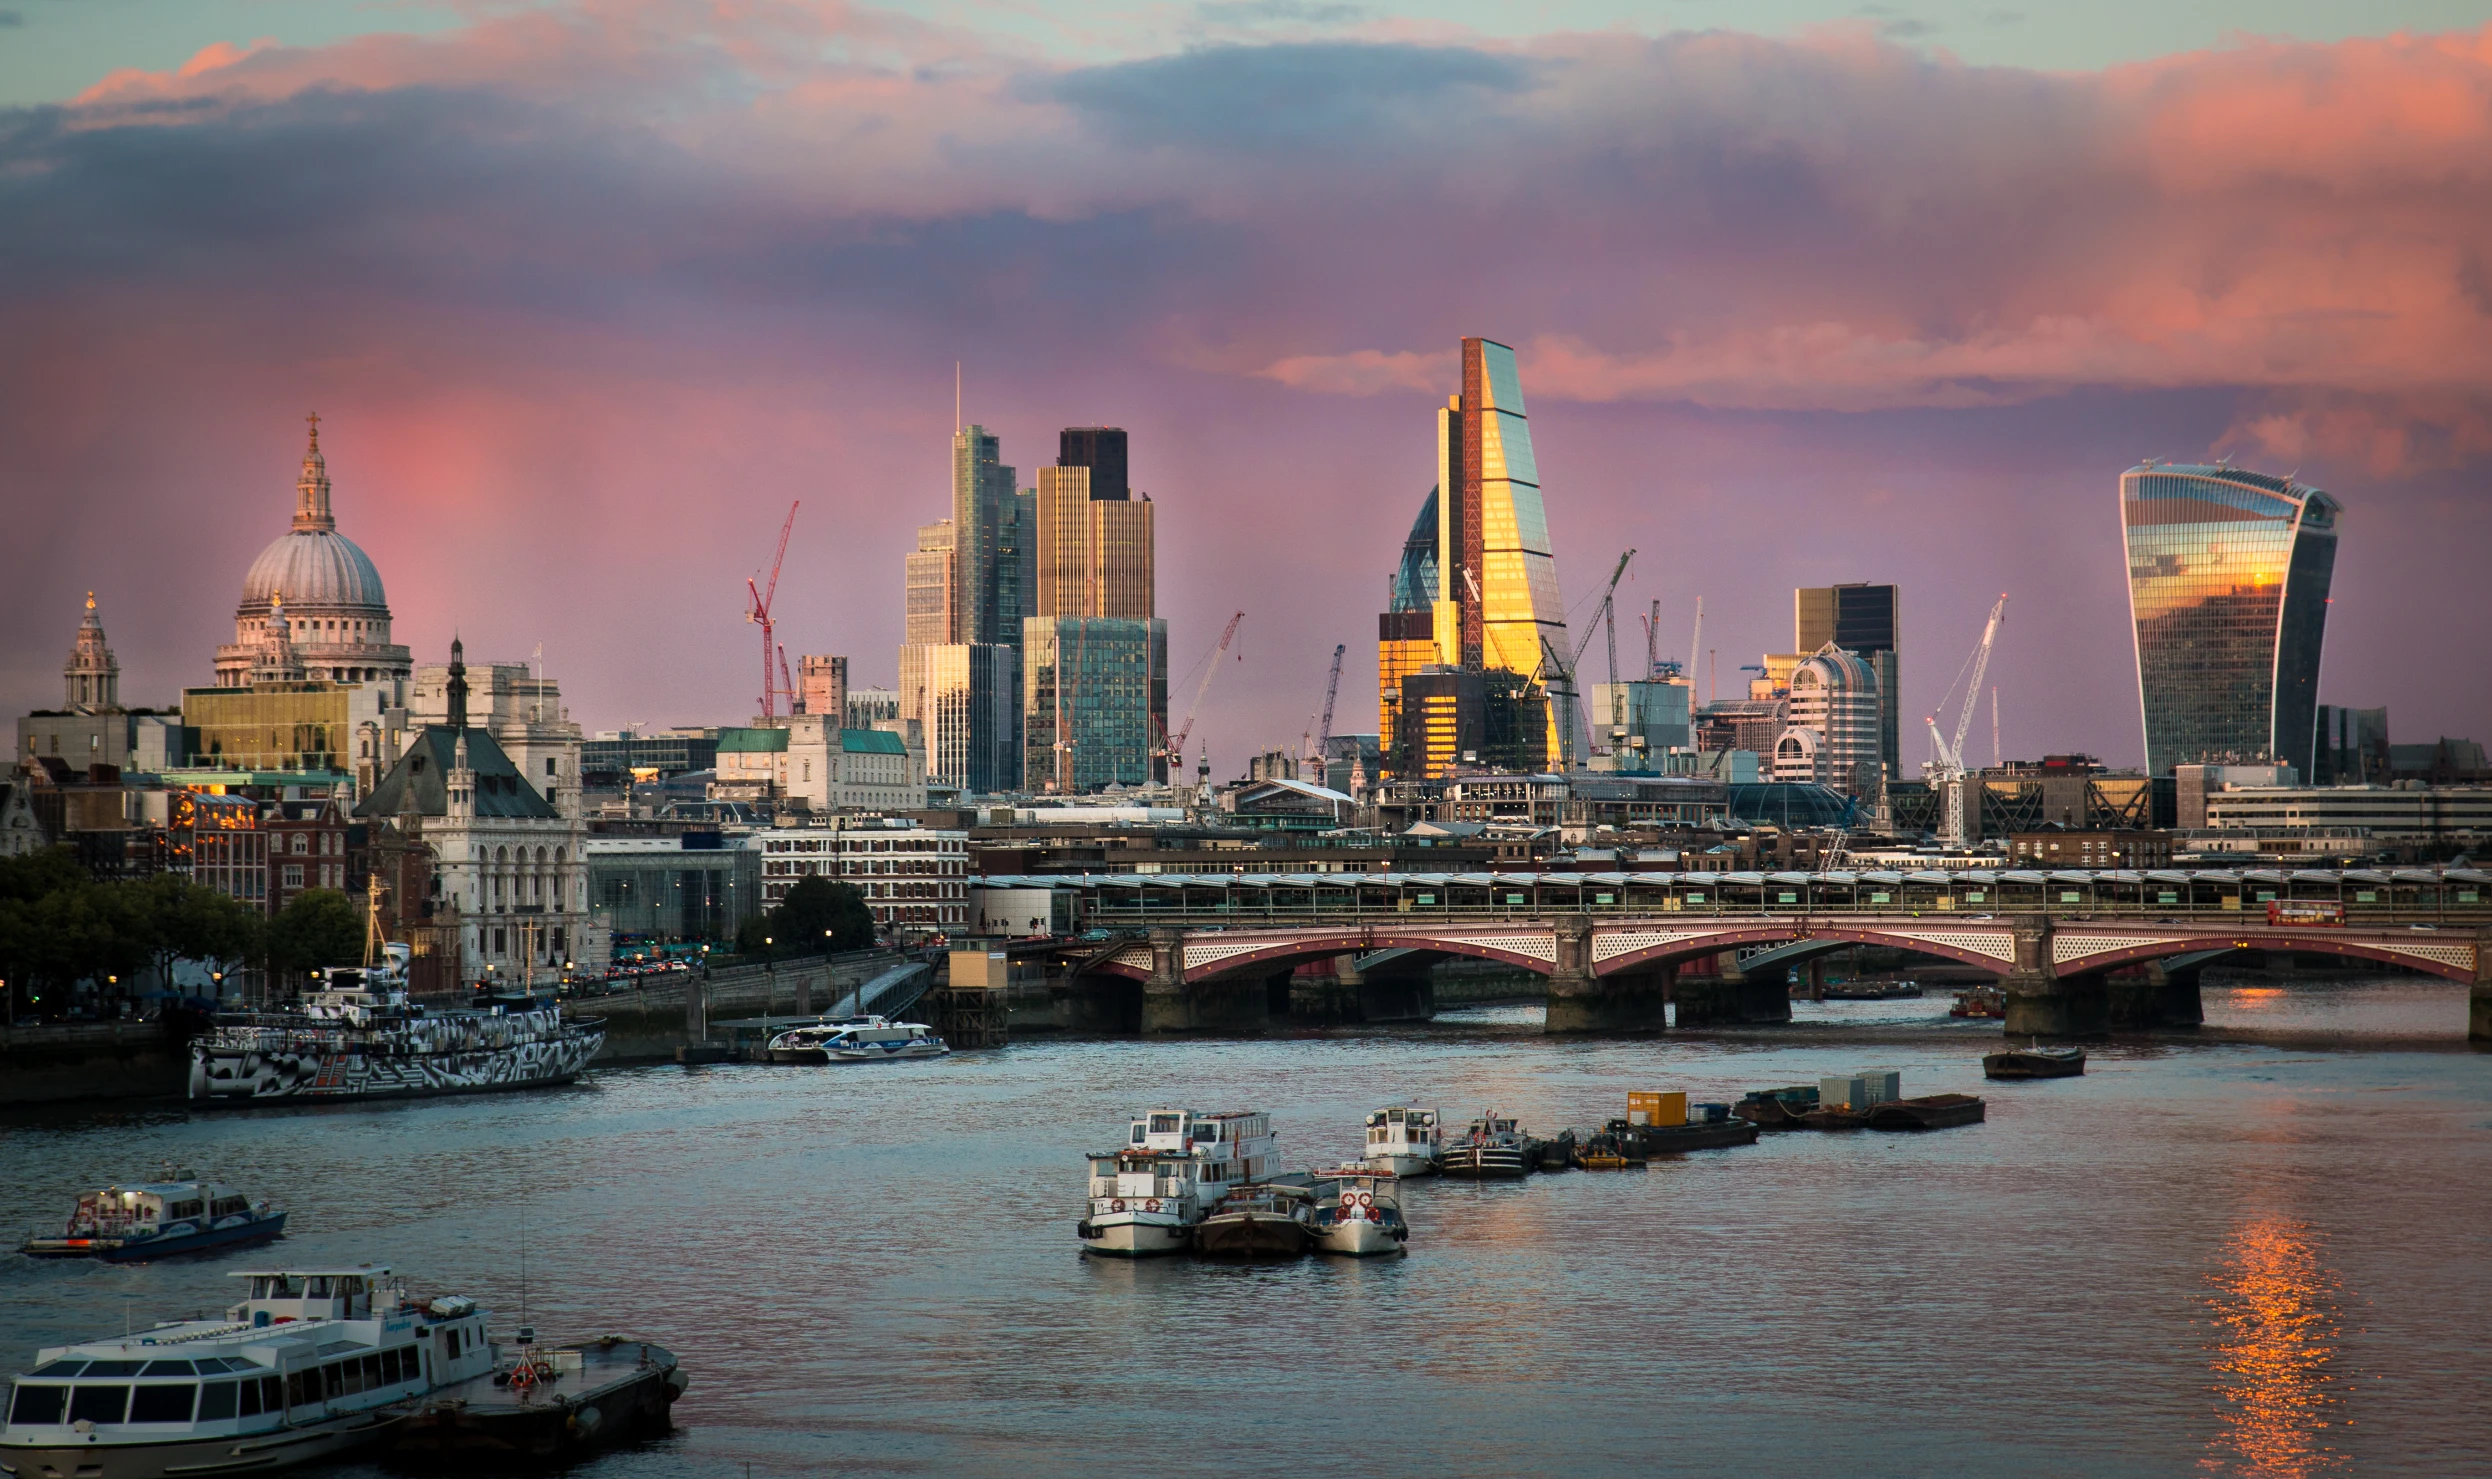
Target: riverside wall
{"type": "Point", "coordinates": [58, 1062]}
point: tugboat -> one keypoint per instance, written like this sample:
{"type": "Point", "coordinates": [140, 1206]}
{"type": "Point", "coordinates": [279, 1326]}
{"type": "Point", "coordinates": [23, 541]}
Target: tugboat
{"type": "Point", "coordinates": [1986, 1002]}
{"type": "Point", "coordinates": [547, 1403]}
{"type": "Point", "coordinates": [2035, 1061]}
{"type": "Point", "coordinates": [1149, 1197]}
{"type": "Point", "coordinates": [1618, 1147]}
{"type": "Point", "coordinates": [1403, 1140]}
{"type": "Point", "coordinates": [1264, 1220]}
{"type": "Point", "coordinates": [1358, 1213]}
{"type": "Point", "coordinates": [358, 1037]}
{"type": "Point", "coordinates": [857, 1040]}
{"type": "Point", "coordinates": [1491, 1149]}
{"type": "Point", "coordinates": [159, 1219]}
{"type": "Point", "coordinates": [312, 1364]}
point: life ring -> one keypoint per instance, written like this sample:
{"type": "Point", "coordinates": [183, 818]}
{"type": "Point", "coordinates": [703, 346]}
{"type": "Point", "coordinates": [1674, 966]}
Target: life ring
{"type": "Point", "coordinates": [1152, 1205]}
{"type": "Point", "coordinates": [1118, 1205]}
{"type": "Point", "coordinates": [523, 1376]}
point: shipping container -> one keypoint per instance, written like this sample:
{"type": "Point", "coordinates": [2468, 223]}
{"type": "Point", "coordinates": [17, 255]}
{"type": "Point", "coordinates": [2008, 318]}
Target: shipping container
{"type": "Point", "coordinates": [1841, 1091]}
{"type": "Point", "coordinates": [1879, 1086]}
{"type": "Point", "coordinates": [1653, 1108]}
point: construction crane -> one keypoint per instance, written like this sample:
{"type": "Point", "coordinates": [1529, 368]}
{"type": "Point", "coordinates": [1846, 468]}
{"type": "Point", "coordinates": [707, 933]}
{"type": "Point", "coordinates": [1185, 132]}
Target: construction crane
{"type": "Point", "coordinates": [1948, 770]}
{"type": "Point", "coordinates": [1324, 730]}
{"type": "Point", "coordinates": [759, 613]}
{"type": "Point", "coordinates": [1562, 667]}
{"type": "Point", "coordinates": [1176, 742]}
{"type": "Point", "coordinates": [787, 685]}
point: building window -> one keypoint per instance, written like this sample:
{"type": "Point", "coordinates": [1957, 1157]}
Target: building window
{"type": "Point", "coordinates": [294, 875]}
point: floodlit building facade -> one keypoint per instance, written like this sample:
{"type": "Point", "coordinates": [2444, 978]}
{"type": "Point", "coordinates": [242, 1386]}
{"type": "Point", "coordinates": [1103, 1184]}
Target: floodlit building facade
{"type": "Point", "coordinates": [2228, 593]}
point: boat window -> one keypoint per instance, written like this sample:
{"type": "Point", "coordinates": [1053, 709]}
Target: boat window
{"type": "Point", "coordinates": [114, 1368]}
{"type": "Point", "coordinates": [216, 1401]}
{"type": "Point", "coordinates": [185, 1209]}
{"type": "Point", "coordinates": [1139, 1133]}
{"type": "Point", "coordinates": [167, 1368]}
{"type": "Point", "coordinates": [1163, 1124]}
{"type": "Point", "coordinates": [298, 1390]}
{"type": "Point", "coordinates": [272, 1393]}
{"type": "Point", "coordinates": [98, 1404]}
{"type": "Point", "coordinates": [371, 1371]}
{"type": "Point", "coordinates": [37, 1404]}
{"type": "Point", "coordinates": [167, 1403]}
{"type": "Point", "coordinates": [316, 1287]}
{"type": "Point", "coordinates": [251, 1399]}
{"type": "Point", "coordinates": [59, 1368]}
{"type": "Point", "coordinates": [333, 1380]}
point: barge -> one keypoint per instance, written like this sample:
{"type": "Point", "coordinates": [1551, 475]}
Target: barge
{"type": "Point", "coordinates": [546, 1404]}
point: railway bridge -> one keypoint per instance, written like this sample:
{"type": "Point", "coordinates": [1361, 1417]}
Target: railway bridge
{"type": "Point", "coordinates": [1611, 974]}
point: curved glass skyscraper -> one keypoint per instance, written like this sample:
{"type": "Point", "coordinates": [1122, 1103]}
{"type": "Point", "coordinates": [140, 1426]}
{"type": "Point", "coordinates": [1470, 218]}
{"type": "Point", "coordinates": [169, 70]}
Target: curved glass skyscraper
{"type": "Point", "coordinates": [2228, 589]}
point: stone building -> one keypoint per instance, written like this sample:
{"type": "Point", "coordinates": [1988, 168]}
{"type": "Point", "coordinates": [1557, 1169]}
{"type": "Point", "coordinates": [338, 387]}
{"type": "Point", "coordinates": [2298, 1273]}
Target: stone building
{"type": "Point", "coordinates": [320, 591]}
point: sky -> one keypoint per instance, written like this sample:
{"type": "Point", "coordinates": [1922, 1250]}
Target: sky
{"type": "Point", "coordinates": [587, 294]}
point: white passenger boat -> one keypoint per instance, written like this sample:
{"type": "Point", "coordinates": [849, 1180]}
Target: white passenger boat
{"type": "Point", "coordinates": [158, 1219]}
{"type": "Point", "coordinates": [313, 1363]}
{"type": "Point", "coordinates": [358, 1037]}
{"type": "Point", "coordinates": [1358, 1212]}
{"type": "Point", "coordinates": [1149, 1197]}
{"type": "Point", "coordinates": [857, 1040]}
{"type": "Point", "coordinates": [1493, 1148]}
{"type": "Point", "coordinates": [1403, 1141]}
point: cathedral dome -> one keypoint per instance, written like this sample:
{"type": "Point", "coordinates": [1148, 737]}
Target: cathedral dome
{"type": "Point", "coordinates": [314, 569]}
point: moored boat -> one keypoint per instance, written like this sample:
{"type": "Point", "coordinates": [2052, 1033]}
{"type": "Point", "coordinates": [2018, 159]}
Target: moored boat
{"type": "Point", "coordinates": [1358, 1212]}
{"type": "Point", "coordinates": [158, 1219]}
{"type": "Point", "coordinates": [1148, 1197]}
{"type": "Point", "coordinates": [1777, 1109]}
{"type": "Point", "coordinates": [1929, 1112]}
{"type": "Point", "coordinates": [2034, 1061]}
{"type": "Point", "coordinates": [1259, 1221]}
{"type": "Point", "coordinates": [1492, 1148]}
{"type": "Point", "coordinates": [1986, 1002]}
{"type": "Point", "coordinates": [1403, 1140]}
{"type": "Point", "coordinates": [312, 1364]}
{"type": "Point", "coordinates": [1655, 1140]}
{"type": "Point", "coordinates": [546, 1403]}
{"type": "Point", "coordinates": [856, 1040]}
{"type": "Point", "coordinates": [1618, 1146]}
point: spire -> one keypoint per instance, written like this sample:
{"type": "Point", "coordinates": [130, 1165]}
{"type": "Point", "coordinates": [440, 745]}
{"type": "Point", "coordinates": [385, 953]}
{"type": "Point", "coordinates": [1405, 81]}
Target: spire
{"type": "Point", "coordinates": [91, 678]}
{"type": "Point", "coordinates": [311, 490]}
{"type": "Point", "coordinates": [275, 661]}
{"type": "Point", "coordinates": [458, 690]}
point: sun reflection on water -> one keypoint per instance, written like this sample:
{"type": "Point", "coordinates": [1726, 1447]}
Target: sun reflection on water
{"type": "Point", "coordinates": [2276, 1311]}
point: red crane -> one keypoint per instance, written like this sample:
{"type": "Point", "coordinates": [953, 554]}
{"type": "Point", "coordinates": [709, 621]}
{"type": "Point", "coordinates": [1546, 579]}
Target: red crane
{"type": "Point", "coordinates": [787, 685]}
{"type": "Point", "coordinates": [759, 612]}
{"type": "Point", "coordinates": [1176, 742]}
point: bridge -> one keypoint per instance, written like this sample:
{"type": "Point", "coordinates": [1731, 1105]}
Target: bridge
{"type": "Point", "coordinates": [1214, 953]}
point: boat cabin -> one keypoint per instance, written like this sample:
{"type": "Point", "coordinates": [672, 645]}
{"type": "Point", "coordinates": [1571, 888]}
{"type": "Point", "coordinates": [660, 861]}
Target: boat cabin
{"type": "Point", "coordinates": [1242, 1137]}
{"type": "Point", "coordinates": [1393, 1129]}
{"type": "Point", "coordinates": [281, 1297]}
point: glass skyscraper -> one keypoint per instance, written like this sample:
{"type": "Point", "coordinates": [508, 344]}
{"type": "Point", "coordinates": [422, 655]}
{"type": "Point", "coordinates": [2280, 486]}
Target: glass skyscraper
{"type": "Point", "coordinates": [2228, 590]}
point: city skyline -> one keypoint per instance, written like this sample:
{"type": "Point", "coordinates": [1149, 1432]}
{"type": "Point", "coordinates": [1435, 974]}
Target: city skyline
{"type": "Point", "coordinates": [1772, 411]}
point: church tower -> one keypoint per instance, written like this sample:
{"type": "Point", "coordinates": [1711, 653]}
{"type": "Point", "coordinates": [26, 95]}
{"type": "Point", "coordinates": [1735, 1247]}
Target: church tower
{"type": "Point", "coordinates": [91, 679]}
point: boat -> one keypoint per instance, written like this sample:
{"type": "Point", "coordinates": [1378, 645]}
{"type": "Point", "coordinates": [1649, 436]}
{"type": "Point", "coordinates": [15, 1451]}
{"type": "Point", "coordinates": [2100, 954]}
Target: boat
{"type": "Point", "coordinates": [1929, 1112]}
{"type": "Point", "coordinates": [1557, 1154]}
{"type": "Point", "coordinates": [1148, 1197]}
{"type": "Point", "coordinates": [158, 1219]}
{"type": "Point", "coordinates": [1358, 1212]}
{"type": "Point", "coordinates": [1834, 1117]}
{"type": "Point", "coordinates": [1776, 1109]}
{"type": "Point", "coordinates": [1491, 1149]}
{"type": "Point", "coordinates": [1988, 1002]}
{"type": "Point", "coordinates": [311, 1364]}
{"type": "Point", "coordinates": [546, 1404]}
{"type": "Point", "coordinates": [1618, 1146]}
{"type": "Point", "coordinates": [2034, 1061]}
{"type": "Point", "coordinates": [1403, 1140]}
{"type": "Point", "coordinates": [357, 1036]}
{"type": "Point", "coordinates": [1872, 990]}
{"type": "Point", "coordinates": [857, 1040]}
{"type": "Point", "coordinates": [1653, 1140]}
{"type": "Point", "coordinates": [1259, 1220]}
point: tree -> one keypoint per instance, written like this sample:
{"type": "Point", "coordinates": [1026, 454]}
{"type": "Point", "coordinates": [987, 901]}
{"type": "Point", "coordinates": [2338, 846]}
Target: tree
{"type": "Point", "coordinates": [187, 921]}
{"type": "Point", "coordinates": [321, 927]}
{"type": "Point", "coordinates": [817, 914]}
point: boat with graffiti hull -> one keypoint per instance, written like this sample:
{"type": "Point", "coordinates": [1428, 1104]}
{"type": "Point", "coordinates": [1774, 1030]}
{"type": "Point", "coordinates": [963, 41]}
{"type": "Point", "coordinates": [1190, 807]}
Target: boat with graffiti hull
{"type": "Point", "coordinates": [357, 1036]}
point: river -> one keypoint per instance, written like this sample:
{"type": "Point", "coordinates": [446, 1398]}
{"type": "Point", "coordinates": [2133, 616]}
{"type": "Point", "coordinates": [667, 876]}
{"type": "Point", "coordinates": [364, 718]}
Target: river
{"type": "Point", "coordinates": [2261, 1250]}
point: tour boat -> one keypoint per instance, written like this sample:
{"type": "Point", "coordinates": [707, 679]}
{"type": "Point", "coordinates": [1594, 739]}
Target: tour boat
{"type": "Point", "coordinates": [1403, 1140]}
{"type": "Point", "coordinates": [157, 1219]}
{"type": "Point", "coordinates": [1149, 1196]}
{"type": "Point", "coordinates": [313, 1363]}
{"type": "Point", "coordinates": [357, 1036]}
{"type": "Point", "coordinates": [856, 1040]}
{"type": "Point", "coordinates": [1492, 1148]}
{"type": "Point", "coordinates": [1259, 1221]}
{"type": "Point", "coordinates": [1357, 1212]}
{"type": "Point", "coordinates": [2035, 1061]}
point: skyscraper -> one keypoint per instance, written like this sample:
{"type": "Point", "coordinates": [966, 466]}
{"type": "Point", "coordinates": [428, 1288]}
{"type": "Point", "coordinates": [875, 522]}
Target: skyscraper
{"type": "Point", "coordinates": [1864, 619]}
{"type": "Point", "coordinates": [2228, 591]}
{"type": "Point", "coordinates": [1484, 571]}
{"type": "Point", "coordinates": [1094, 689]}
{"type": "Point", "coordinates": [967, 585]}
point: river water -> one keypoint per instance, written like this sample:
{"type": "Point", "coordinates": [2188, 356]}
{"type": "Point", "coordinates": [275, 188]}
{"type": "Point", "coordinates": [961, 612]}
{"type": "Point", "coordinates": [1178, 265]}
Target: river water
{"type": "Point", "coordinates": [2258, 1251]}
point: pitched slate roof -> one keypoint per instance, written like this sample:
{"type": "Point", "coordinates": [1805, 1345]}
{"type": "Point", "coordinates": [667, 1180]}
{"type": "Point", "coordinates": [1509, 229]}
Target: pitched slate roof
{"type": "Point", "coordinates": [421, 776]}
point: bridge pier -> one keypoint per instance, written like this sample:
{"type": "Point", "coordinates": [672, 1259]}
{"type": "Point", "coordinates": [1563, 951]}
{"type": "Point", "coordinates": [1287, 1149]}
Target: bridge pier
{"type": "Point", "coordinates": [2157, 996]}
{"type": "Point", "coordinates": [1579, 1001]}
{"type": "Point", "coordinates": [1732, 998]}
{"type": "Point", "coordinates": [2041, 1003]}
{"type": "Point", "coordinates": [1236, 1006]}
{"type": "Point", "coordinates": [1392, 993]}
{"type": "Point", "coordinates": [2479, 995]}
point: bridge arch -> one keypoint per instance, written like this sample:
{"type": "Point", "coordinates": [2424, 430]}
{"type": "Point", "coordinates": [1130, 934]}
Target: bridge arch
{"type": "Point", "coordinates": [1998, 958]}
{"type": "Point", "coordinates": [1262, 956]}
{"type": "Point", "coordinates": [2449, 960]}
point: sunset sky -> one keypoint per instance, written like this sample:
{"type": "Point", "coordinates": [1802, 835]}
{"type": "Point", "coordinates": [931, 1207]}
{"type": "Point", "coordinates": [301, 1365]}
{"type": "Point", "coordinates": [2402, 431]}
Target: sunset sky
{"type": "Point", "coordinates": [585, 294]}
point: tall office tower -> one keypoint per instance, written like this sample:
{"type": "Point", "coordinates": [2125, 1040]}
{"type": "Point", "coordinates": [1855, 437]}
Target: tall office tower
{"type": "Point", "coordinates": [961, 695]}
{"type": "Point", "coordinates": [2228, 588]}
{"type": "Point", "coordinates": [982, 509]}
{"type": "Point", "coordinates": [822, 686]}
{"type": "Point", "coordinates": [960, 655]}
{"type": "Point", "coordinates": [1406, 631]}
{"type": "Point", "coordinates": [1094, 691]}
{"type": "Point", "coordinates": [1864, 619]}
{"type": "Point", "coordinates": [1834, 722]}
{"type": "Point", "coordinates": [932, 588]}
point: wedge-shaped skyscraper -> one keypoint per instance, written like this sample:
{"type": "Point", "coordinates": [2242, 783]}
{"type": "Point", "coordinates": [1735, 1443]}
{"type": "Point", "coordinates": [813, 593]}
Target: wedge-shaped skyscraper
{"type": "Point", "coordinates": [2228, 590]}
